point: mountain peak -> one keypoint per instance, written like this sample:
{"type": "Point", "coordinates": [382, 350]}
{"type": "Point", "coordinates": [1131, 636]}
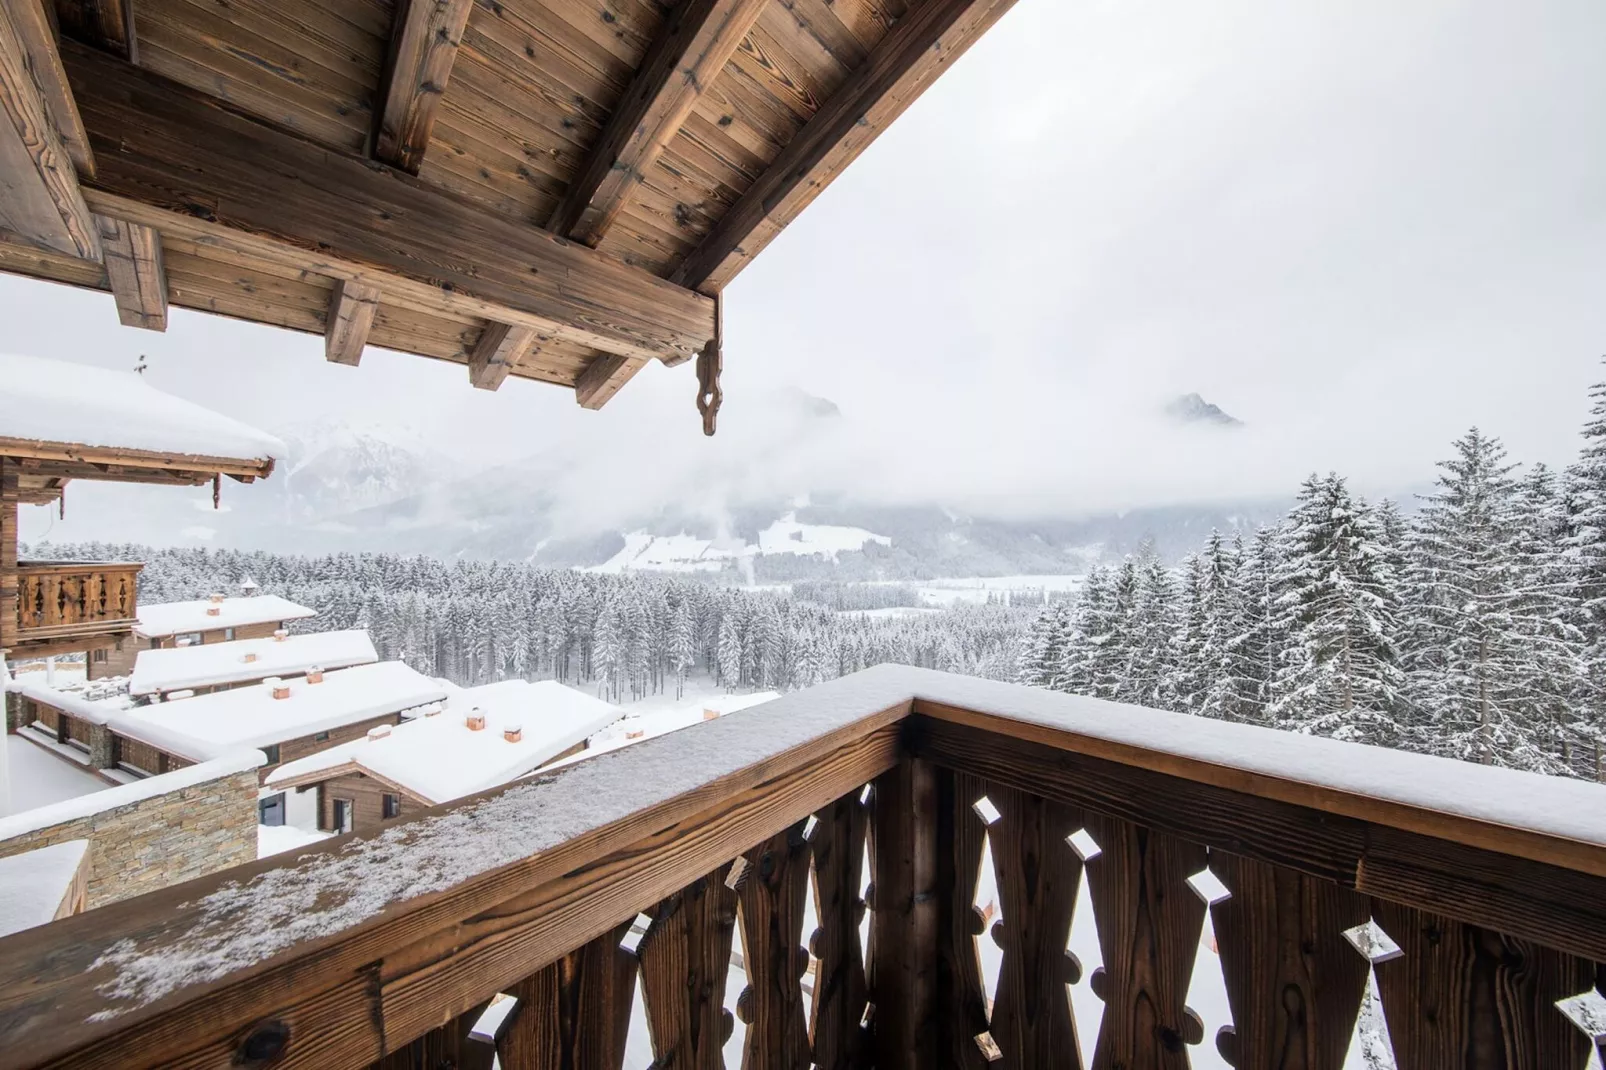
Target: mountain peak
{"type": "Point", "coordinates": [1193, 409]}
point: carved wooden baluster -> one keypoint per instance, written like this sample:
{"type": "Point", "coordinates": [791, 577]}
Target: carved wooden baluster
{"type": "Point", "coordinates": [51, 585]}
{"type": "Point", "coordinates": [961, 834]}
{"type": "Point", "coordinates": [770, 898]}
{"type": "Point", "coordinates": [1038, 876]}
{"type": "Point", "coordinates": [685, 961]}
{"type": "Point", "coordinates": [446, 1047]}
{"type": "Point", "coordinates": [840, 991]}
{"type": "Point", "coordinates": [1293, 982]}
{"type": "Point", "coordinates": [1466, 997]}
{"type": "Point", "coordinates": [575, 1012]}
{"type": "Point", "coordinates": [1149, 922]}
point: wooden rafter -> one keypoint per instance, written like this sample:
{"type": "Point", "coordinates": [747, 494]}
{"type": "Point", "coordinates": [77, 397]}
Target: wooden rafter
{"type": "Point", "coordinates": [498, 350]}
{"type": "Point", "coordinates": [20, 451]}
{"type": "Point", "coordinates": [919, 47]}
{"type": "Point", "coordinates": [175, 157]}
{"type": "Point", "coordinates": [106, 24]}
{"type": "Point", "coordinates": [697, 39]}
{"type": "Point", "coordinates": [603, 378]}
{"type": "Point", "coordinates": [133, 255]}
{"type": "Point", "coordinates": [40, 201]}
{"type": "Point", "coordinates": [38, 38]}
{"type": "Point", "coordinates": [352, 306]}
{"type": "Point", "coordinates": [423, 47]}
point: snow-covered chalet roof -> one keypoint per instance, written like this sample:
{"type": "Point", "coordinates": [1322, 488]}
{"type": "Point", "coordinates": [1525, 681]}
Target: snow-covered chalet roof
{"type": "Point", "coordinates": [216, 664]}
{"type": "Point", "coordinates": [34, 883]}
{"type": "Point", "coordinates": [207, 726]}
{"type": "Point", "coordinates": [634, 729]}
{"type": "Point", "coordinates": [180, 618]}
{"type": "Point", "coordinates": [437, 757]}
{"type": "Point", "coordinates": [56, 401]}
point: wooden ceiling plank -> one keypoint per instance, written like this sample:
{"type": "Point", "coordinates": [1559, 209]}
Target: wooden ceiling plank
{"type": "Point", "coordinates": [496, 353]}
{"type": "Point", "coordinates": [603, 378]}
{"type": "Point", "coordinates": [135, 269]}
{"type": "Point", "coordinates": [106, 24]}
{"type": "Point", "coordinates": [40, 200]}
{"type": "Point", "coordinates": [920, 46]}
{"type": "Point", "coordinates": [423, 47]}
{"type": "Point", "coordinates": [693, 47]}
{"type": "Point", "coordinates": [184, 161]}
{"type": "Point", "coordinates": [351, 316]}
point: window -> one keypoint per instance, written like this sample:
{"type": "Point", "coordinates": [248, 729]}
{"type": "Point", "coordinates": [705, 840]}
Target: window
{"type": "Point", "coordinates": [342, 815]}
{"type": "Point", "coordinates": [321, 737]}
{"type": "Point", "coordinates": [270, 811]}
{"type": "Point", "coordinates": [99, 657]}
{"type": "Point", "coordinates": [392, 806]}
{"type": "Point", "coordinates": [228, 635]}
{"type": "Point", "coordinates": [272, 751]}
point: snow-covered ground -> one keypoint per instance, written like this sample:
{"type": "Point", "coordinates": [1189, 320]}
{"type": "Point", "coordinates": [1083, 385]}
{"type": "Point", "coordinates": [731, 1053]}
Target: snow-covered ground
{"type": "Point", "coordinates": [690, 553]}
{"type": "Point", "coordinates": [276, 839]}
{"type": "Point", "coordinates": [39, 778]}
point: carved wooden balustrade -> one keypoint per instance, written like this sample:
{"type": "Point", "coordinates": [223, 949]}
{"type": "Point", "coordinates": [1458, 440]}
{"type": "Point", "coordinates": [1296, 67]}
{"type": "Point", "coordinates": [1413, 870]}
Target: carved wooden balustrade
{"type": "Point", "coordinates": [609, 896]}
{"type": "Point", "coordinates": [63, 603]}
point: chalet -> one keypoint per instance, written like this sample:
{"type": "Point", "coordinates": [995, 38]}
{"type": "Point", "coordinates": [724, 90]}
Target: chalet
{"type": "Point", "coordinates": [158, 673]}
{"type": "Point", "coordinates": [479, 738]}
{"type": "Point", "coordinates": [201, 622]}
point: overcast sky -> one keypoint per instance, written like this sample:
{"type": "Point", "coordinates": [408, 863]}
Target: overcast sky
{"type": "Point", "coordinates": [1359, 226]}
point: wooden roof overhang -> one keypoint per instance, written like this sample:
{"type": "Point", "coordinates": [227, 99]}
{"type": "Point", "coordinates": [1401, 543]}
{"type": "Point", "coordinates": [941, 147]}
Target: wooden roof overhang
{"type": "Point", "coordinates": [41, 470]}
{"type": "Point", "coordinates": [552, 189]}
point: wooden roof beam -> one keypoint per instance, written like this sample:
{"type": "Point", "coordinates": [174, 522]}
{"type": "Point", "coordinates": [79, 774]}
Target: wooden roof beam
{"type": "Point", "coordinates": [40, 201]}
{"type": "Point", "coordinates": [919, 47]}
{"type": "Point", "coordinates": [352, 306]}
{"type": "Point", "coordinates": [183, 162]}
{"type": "Point", "coordinates": [135, 270]}
{"type": "Point", "coordinates": [106, 24]}
{"type": "Point", "coordinates": [497, 352]}
{"type": "Point", "coordinates": [33, 24]}
{"type": "Point", "coordinates": [697, 39]}
{"type": "Point", "coordinates": [423, 47]}
{"type": "Point", "coordinates": [604, 377]}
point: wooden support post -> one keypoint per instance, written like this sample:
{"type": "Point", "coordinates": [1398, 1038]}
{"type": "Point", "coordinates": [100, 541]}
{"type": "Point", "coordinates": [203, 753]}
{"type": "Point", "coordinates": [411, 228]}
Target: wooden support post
{"type": "Point", "coordinates": [498, 350]}
{"type": "Point", "coordinates": [40, 202]}
{"type": "Point", "coordinates": [135, 271]}
{"type": "Point", "coordinates": [8, 554]}
{"type": "Point", "coordinates": [351, 315]}
{"type": "Point", "coordinates": [423, 47]}
{"type": "Point", "coordinates": [576, 1011]}
{"type": "Point", "coordinates": [906, 905]}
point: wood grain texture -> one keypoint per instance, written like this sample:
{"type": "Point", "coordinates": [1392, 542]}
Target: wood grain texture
{"type": "Point", "coordinates": [423, 49]}
{"type": "Point", "coordinates": [106, 24]}
{"type": "Point", "coordinates": [1462, 996]}
{"type": "Point", "coordinates": [1294, 983]}
{"type": "Point", "coordinates": [838, 1040]}
{"type": "Point", "coordinates": [136, 271]}
{"type": "Point", "coordinates": [770, 898]}
{"type": "Point", "coordinates": [1038, 875]}
{"type": "Point", "coordinates": [961, 996]}
{"type": "Point", "coordinates": [351, 316]}
{"type": "Point", "coordinates": [697, 38]}
{"type": "Point", "coordinates": [919, 47]}
{"type": "Point", "coordinates": [1149, 922]}
{"type": "Point", "coordinates": [10, 493]}
{"type": "Point", "coordinates": [604, 377]}
{"type": "Point", "coordinates": [278, 197]}
{"type": "Point", "coordinates": [497, 353]}
{"type": "Point", "coordinates": [40, 201]}
{"type": "Point", "coordinates": [33, 25]}
{"type": "Point", "coordinates": [907, 925]}
{"type": "Point", "coordinates": [446, 1046]}
{"type": "Point", "coordinates": [575, 1012]}
{"type": "Point", "coordinates": [685, 965]}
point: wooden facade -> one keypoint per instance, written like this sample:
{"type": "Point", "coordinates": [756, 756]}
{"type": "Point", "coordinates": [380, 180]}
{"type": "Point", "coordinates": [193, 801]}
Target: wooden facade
{"type": "Point", "coordinates": [365, 795]}
{"type": "Point", "coordinates": [73, 606]}
{"type": "Point", "coordinates": [549, 189]}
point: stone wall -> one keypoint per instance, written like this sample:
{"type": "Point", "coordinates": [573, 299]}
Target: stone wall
{"type": "Point", "coordinates": [165, 839]}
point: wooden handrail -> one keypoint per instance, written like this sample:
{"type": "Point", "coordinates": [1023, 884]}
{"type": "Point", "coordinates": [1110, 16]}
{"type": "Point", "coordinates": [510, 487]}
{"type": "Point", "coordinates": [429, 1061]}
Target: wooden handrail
{"type": "Point", "coordinates": [360, 946]}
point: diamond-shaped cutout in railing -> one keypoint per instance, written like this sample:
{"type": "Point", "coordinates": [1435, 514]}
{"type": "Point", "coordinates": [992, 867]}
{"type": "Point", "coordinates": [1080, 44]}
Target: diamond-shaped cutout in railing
{"type": "Point", "coordinates": [809, 826]}
{"type": "Point", "coordinates": [866, 794]}
{"type": "Point", "coordinates": [1587, 1011]}
{"type": "Point", "coordinates": [737, 871]}
{"type": "Point", "coordinates": [638, 929]}
{"type": "Point", "coordinates": [1207, 886]}
{"type": "Point", "coordinates": [1372, 942]}
{"type": "Point", "coordinates": [989, 1047]}
{"type": "Point", "coordinates": [1083, 843]}
{"type": "Point", "coordinates": [986, 810]}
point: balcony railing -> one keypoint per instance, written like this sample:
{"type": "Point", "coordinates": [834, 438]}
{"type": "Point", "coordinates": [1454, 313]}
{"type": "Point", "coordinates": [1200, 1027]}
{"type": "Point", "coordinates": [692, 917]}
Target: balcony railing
{"type": "Point", "coordinates": [62, 601]}
{"type": "Point", "coordinates": [382, 950]}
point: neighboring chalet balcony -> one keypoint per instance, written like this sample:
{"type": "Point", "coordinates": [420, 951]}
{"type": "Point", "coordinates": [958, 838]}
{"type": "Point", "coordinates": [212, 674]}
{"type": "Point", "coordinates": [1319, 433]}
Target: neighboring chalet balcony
{"type": "Point", "coordinates": [72, 606]}
{"type": "Point", "coordinates": [1477, 895]}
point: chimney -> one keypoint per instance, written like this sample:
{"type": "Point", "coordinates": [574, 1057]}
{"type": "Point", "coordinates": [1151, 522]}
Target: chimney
{"type": "Point", "coordinates": [475, 720]}
{"type": "Point", "coordinates": [278, 687]}
{"type": "Point", "coordinates": [512, 733]}
{"type": "Point", "coordinates": [214, 611]}
{"type": "Point", "coordinates": [635, 733]}
{"type": "Point", "coordinates": [378, 732]}
{"type": "Point", "coordinates": [710, 714]}
{"type": "Point", "coordinates": [216, 598]}
{"type": "Point", "coordinates": [249, 656]}
{"type": "Point", "coordinates": [430, 711]}
{"type": "Point", "coordinates": [280, 635]}
{"type": "Point", "coordinates": [314, 674]}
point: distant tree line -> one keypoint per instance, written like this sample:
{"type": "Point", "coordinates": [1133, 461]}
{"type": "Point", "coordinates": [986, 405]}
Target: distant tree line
{"type": "Point", "coordinates": [1474, 629]}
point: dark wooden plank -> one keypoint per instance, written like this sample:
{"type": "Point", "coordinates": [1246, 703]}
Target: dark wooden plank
{"type": "Point", "coordinates": [840, 990]}
{"type": "Point", "coordinates": [10, 494]}
{"type": "Point", "coordinates": [1533, 900]}
{"type": "Point", "coordinates": [1467, 997]}
{"type": "Point", "coordinates": [685, 964]}
{"type": "Point", "coordinates": [423, 48]}
{"type": "Point", "coordinates": [1293, 982]}
{"type": "Point", "coordinates": [770, 899]}
{"type": "Point", "coordinates": [179, 153]}
{"type": "Point", "coordinates": [351, 316]}
{"type": "Point", "coordinates": [33, 25]}
{"type": "Point", "coordinates": [134, 267]}
{"type": "Point", "coordinates": [40, 201]}
{"type": "Point", "coordinates": [1038, 875]}
{"type": "Point", "coordinates": [920, 46]}
{"type": "Point", "coordinates": [575, 1012]}
{"type": "Point", "coordinates": [604, 377]}
{"type": "Point", "coordinates": [961, 995]}
{"type": "Point", "coordinates": [1149, 922]}
{"type": "Point", "coordinates": [696, 40]}
{"type": "Point", "coordinates": [496, 353]}
{"type": "Point", "coordinates": [906, 922]}
{"type": "Point", "coordinates": [106, 24]}
{"type": "Point", "coordinates": [446, 1046]}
